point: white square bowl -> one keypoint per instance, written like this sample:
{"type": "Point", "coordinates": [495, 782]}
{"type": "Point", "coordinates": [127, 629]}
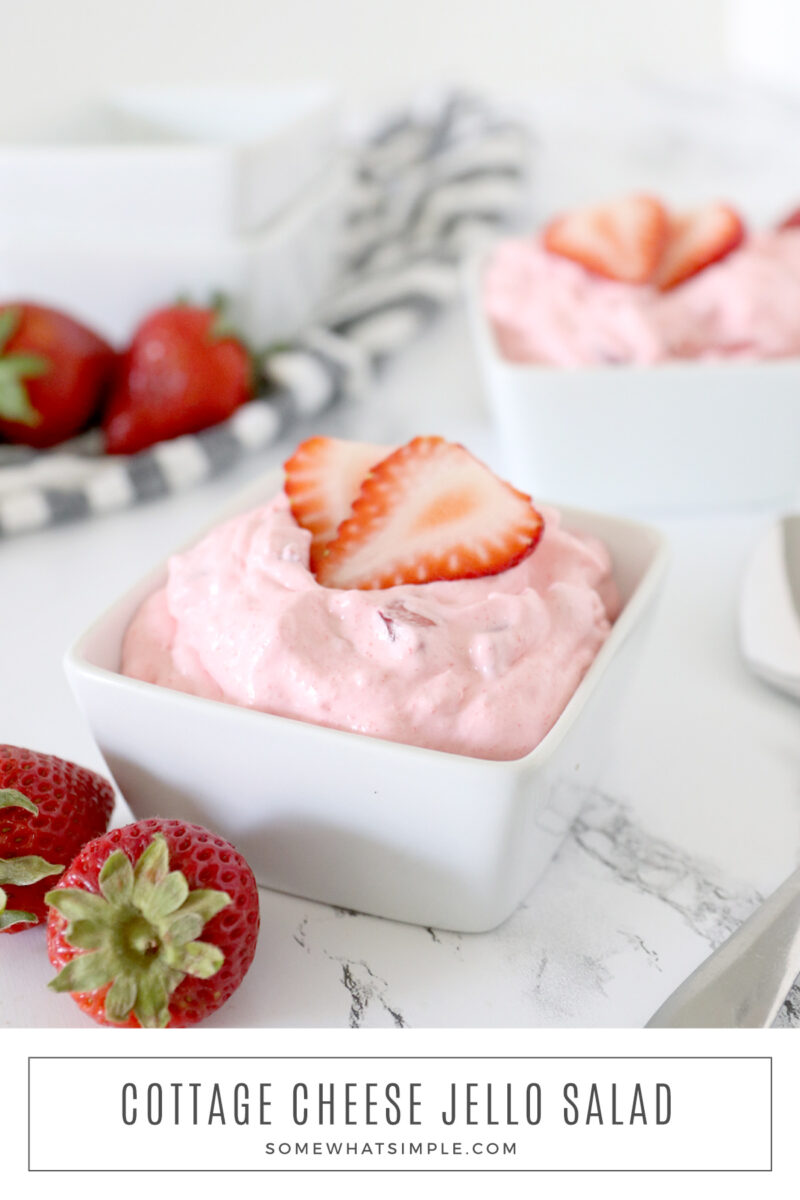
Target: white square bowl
{"type": "Point", "coordinates": [672, 437]}
{"type": "Point", "coordinates": [274, 279]}
{"type": "Point", "coordinates": [169, 161]}
{"type": "Point", "coordinates": [418, 835]}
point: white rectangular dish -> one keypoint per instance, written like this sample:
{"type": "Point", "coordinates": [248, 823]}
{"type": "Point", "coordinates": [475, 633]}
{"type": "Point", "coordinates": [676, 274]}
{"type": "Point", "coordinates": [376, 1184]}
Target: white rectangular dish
{"type": "Point", "coordinates": [169, 161]}
{"type": "Point", "coordinates": [274, 279]}
{"type": "Point", "coordinates": [674, 437]}
{"type": "Point", "coordinates": [417, 835]}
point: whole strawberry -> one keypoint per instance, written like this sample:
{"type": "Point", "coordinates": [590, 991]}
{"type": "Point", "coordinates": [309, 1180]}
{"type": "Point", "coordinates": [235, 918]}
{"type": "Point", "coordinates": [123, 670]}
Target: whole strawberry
{"type": "Point", "coordinates": [49, 808]}
{"type": "Point", "coordinates": [54, 373]}
{"type": "Point", "coordinates": [127, 918]}
{"type": "Point", "coordinates": [182, 372]}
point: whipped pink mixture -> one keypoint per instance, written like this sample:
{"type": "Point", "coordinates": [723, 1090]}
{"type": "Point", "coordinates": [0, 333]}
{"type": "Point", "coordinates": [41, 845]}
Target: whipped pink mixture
{"type": "Point", "coordinates": [475, 666]}
{"type": "Point", "coordinates": [547, 309]}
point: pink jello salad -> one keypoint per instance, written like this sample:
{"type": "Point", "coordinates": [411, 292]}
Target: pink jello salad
{"type": "Point", "coordinates": [480, 666]}
{"type": "Point", "coordinates": [547, 308]}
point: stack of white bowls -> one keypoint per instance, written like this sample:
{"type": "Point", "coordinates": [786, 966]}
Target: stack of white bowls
{"type": "Point", "coordinates": [167, 192]}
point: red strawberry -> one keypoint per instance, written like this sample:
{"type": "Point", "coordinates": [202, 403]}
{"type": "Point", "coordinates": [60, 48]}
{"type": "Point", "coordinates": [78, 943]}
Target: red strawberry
{"type": "Point", "coordinates": [53, 374]}
{"type": "Point", "coordinates": [323, 478]}
{"type": "Point", "coordinates": [126, 920]}
{"type": "Point", "coordinates": [430, 511]}
{"type": "Point", "coordinates": [621, 240]}
{"type": "Point", "coordinates": [792, 221]}
{"type": "Point", "coordinates": [696, 240]}
{"type": "Point", "coordinates": [48, 809]}
{"type": "Point", "coordinates": [180, 374]}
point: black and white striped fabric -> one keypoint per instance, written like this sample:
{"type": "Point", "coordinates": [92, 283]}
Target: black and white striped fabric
{"type": "Point", "coordinates": [429, 183]}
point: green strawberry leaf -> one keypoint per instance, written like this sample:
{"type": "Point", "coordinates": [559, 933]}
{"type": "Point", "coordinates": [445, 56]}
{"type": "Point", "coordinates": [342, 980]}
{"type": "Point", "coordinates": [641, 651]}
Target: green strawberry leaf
{"type": "Point", "coordinates": [85, 973]}
{"type": "Point", "coordinates": [205, 902]}
{"type": "Point", "coordinates": [222, 324]}
{"type": "Point", "coordinates": [9, 323]}
{"type": "Point", "coordinates": [26, 366]}
{"type": "Point", "coordinates": [76, 905]}
{"type": "Point", "coordinates": [152, 868]}
{"type": "Point", "coordinates": [116, 879]}
{"type": "Point", "coordinates": [9, 916]}
{"type": "Point", "coordinates": [86, 935]}
{"type": "Point", "coordinates": [15, 404]}
{"type": "Point", "coordinates": [182, 928]}
{"type": "Point", "coordinates": [200, 959]}
{"type": "Point", "coordinates": [152, 997]}
{"type": "Point", "coordinates": [167, 896]}
{"type": "Point", "coordinates": [120, 998]}
{"type": "Point", "coordinates": [11, 798]}
{"type": "Point", "coordinates": [26, 870]}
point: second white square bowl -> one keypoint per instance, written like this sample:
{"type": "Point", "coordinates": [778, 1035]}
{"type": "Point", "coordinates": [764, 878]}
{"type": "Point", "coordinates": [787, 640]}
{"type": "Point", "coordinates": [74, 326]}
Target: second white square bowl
{"type": "Point", "coordinates": [674, 437]}
{"type": "Point", "coordinates": [165, 162]}
{"type": "Point", "coordinates": [419, 835]}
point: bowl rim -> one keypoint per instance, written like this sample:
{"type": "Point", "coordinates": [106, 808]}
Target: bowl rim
{"type": "Point", "coordinates": [483, 334]}
{"type": "Point", "coordinates": [75, 661]}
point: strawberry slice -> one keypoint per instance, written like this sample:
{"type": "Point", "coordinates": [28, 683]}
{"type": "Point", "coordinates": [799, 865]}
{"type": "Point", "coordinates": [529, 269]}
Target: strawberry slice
{"type": "Point", "coordinates": [622, 240]}
{"type": "Point", "coordinates": [792, 221]}
{"type": "Point", "coordinates": [696, 240]}
{"type": "Point", "coordinates": [430, 511]}
{"type": "Point", "coordinates": [323, 478]}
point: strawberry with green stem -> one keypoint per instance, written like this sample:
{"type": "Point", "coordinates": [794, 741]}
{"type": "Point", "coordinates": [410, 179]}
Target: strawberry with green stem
{"type": "Point", "coordinates": [153, 925]}
{"type": "Point", "coordinates": [54, 372]}
{"type": "Point", "coordinates": [183, 371]}
{"type": "Point", "coordinates": [49, 808]}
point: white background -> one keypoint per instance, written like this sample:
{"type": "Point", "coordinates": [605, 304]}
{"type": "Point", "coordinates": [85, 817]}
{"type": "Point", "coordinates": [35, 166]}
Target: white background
{"type": "Point", "coordinates": [64, 51]}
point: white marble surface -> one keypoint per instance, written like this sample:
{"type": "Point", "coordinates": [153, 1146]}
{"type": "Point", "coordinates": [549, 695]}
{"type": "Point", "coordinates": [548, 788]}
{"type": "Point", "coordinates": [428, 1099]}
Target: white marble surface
{"type": "Point", "coordinates": [696, 817]}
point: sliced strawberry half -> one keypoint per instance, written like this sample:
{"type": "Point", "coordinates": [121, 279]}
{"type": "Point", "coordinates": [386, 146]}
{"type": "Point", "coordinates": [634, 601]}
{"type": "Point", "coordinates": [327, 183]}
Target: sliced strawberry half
{"type": "Point", "coordinates": [323, 478]}
{"type": "Point", "coordinates": [622, 240]}
{"type": "Point", "coordinates": [696, 240]}
{"type": "Point", "coordinates": [430, 511]}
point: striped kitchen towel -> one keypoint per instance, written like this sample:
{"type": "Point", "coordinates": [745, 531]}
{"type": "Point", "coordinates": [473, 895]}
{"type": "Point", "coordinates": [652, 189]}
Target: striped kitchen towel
{"type": "Point", "coordinates": [429, 182]}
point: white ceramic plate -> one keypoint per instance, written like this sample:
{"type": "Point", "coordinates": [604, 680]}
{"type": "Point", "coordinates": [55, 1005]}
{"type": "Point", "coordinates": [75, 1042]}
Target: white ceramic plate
{"type": "Point", "coordinates": [674, 437]}
{"type": "Point", "coordinates": [419, 835]}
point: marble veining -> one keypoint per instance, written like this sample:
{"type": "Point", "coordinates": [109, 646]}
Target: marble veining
{"type": "Point", "coordinates": [364, 988]}
{"type": "Point", "coordinates": [711, 907]}
{"type": "Point", "coordinates": [656, 911]}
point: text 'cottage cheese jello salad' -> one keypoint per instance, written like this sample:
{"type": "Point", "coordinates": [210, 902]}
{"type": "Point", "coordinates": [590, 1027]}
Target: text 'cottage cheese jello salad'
{"type": "Point", "coordinates": [407, 594]}
{"type": "Point", "coordinates": [631, 282]}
